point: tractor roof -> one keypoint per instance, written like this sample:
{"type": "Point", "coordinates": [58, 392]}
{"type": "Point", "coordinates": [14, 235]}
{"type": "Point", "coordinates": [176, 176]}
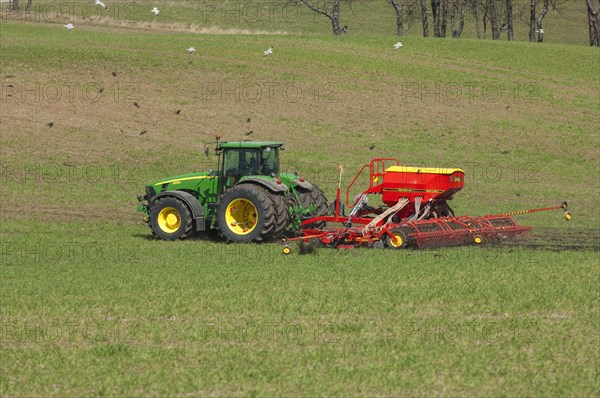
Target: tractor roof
{"type": "Point", "coordinates": [250, 144]}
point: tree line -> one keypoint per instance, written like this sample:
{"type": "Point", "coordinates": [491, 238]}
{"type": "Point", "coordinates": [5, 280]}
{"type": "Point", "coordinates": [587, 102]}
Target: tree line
{"type": "Point", "coordinates": [448, 16]}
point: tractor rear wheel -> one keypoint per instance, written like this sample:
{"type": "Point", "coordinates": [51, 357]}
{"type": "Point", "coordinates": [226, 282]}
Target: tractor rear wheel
{"type": "Point", "coordinates": [170, 219]}
{"type": "Point", "coordinates": [282, 215]}
{"type": "Point", "coordinates": [246, 213]}
{"type": "Point", "coordinates": [315, 197]}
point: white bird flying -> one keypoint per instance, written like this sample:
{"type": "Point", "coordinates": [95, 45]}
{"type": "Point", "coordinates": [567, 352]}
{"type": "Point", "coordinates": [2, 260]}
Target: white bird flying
{"type": "Point", "coordinates": [155, 11]}
{"type": "Point", "coordinates": [69, 26]}
{"type": "Point", "coordinates": [397, 45]}
{"type": "Point", "coordinates": [191, 50]}
{"type": "Point", "coordinates": [541, 31]}
{"type": "Point", "coordinates": [268, 52]}
{"type": "Point", "coordinates": [100, 3]}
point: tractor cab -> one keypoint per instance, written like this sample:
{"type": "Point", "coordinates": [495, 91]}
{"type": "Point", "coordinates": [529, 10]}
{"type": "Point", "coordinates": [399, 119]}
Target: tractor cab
{"type": "Point", "coordinates": [241, 159]}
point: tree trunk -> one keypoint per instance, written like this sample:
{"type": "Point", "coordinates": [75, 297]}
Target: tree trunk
{"type": "Point", "coordinates": [15, 5]}
{"type": "Point", "coordinates": [435, 11]}
{"type": "Point", "coordinates": [335, 17]}
{"type": "Point", "coordinates": [452, 17]}
{"type": "Point", "coordinates": [485, 17]}
{"type": "Point", "coordinates": [457, 32]}
{"type": "Point", "coordinates": [476, 16]}
{"type": "Point", "coordinates": [494, 20]}
{"type": "Point", "coordinates": [461, 25]}
{"type": "Point", "coordinates": [424, 18]}
{"type": "Point", "coordinates": [509, 20]}
{"type": "Point", "coordinates": [593, 24]}
{"type": "Point", "coordinates": [532, 21]}
{"type": "Point", "coordinates": [540, 19]}
{"type": "Point", "coordinates": [444, 18]}
{"type": "Point", "coordinates": [399, 21]}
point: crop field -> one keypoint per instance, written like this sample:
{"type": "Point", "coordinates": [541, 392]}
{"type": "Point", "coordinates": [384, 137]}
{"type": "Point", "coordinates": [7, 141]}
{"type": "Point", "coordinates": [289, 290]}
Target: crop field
{"type": "Point", "coordinates": [92, 305]}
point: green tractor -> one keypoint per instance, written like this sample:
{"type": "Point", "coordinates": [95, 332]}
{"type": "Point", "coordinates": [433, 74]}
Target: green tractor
{"type": "Point", "coordinates": [246, 199]}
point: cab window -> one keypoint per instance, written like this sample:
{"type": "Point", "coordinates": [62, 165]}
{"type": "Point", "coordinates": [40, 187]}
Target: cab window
{"type": "Point", "coordinates": [269, 161]}
{"type": "Point", "coordinates": [238, 163]}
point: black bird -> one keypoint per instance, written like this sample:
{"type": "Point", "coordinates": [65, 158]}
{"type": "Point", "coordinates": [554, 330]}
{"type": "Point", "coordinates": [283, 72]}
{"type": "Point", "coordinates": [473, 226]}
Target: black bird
{"type": "Point", "coordinates": [248, 120]}
{"type": "Point", "coordinates": [372, 147]}
{"type": "Point", "coordinates": [136, 104]}
{"type": "Point", "coordinates": [206, 151]}
{"type": "Point", "coordinates": [114, 74]}
{"type": "Point", "coordinates": [178, 111]}
{"type": "Point", "coordinates": [143, 132]}
{"type": "Point", "coordinates": [51, 124]}
{"type": "Point", "coordinates": [249, 132]}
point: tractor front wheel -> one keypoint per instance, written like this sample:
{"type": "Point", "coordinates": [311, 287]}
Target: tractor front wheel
{"type": "Point", "coordinates": [245, 213]}
{"type": "Point", "coordinates": [170, 219]}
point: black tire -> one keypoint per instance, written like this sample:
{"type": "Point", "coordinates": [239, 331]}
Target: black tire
{"type": "Point", "coordinates": [170, 219]}
{"type": "Point", "coordinates": [282, 214]}
{"type": "Point", "coordinates": [262, 224]}
{"type": "Point", "coordinates": [314, 197]}
{"type": "Point", "coordinates": [399, 240]}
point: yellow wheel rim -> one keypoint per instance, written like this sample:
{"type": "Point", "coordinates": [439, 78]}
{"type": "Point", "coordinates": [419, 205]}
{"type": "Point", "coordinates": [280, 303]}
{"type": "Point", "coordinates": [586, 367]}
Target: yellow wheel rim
{"type": "Point", "coordinates": [478, 240]}
{"type": "Point", "coordinates": [169, 220]}
{"type": "Point", "coordinates": [287, 250]}
{"type": "Point", "coordinates": [241, 216]}
{"type": "Point", "coordinates": [396, 240]}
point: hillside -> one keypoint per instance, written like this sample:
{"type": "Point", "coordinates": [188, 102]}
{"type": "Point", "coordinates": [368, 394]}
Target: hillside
{"type": "Point", "coordinates": [518, 117]}
{"type": "Point", "coordinates": [565, 23]}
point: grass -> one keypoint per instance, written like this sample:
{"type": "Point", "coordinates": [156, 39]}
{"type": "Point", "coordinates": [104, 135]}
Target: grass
{"type": "Point", "coordinates": [142, 317]}
{"type": "Point", "coordinates": [86, 294]}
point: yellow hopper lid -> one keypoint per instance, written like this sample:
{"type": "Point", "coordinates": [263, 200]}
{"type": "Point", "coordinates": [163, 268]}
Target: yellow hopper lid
{"type": "Point", "coordinates": [423, 170]}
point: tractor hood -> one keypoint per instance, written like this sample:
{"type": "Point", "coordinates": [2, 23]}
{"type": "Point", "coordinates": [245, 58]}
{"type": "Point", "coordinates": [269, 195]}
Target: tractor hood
{"type": "Point", "coordinates": [176, 180]}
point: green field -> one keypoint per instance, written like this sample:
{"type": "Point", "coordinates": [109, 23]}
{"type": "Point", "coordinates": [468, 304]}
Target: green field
{"type": "Point", "coordinates": [92, 305]}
